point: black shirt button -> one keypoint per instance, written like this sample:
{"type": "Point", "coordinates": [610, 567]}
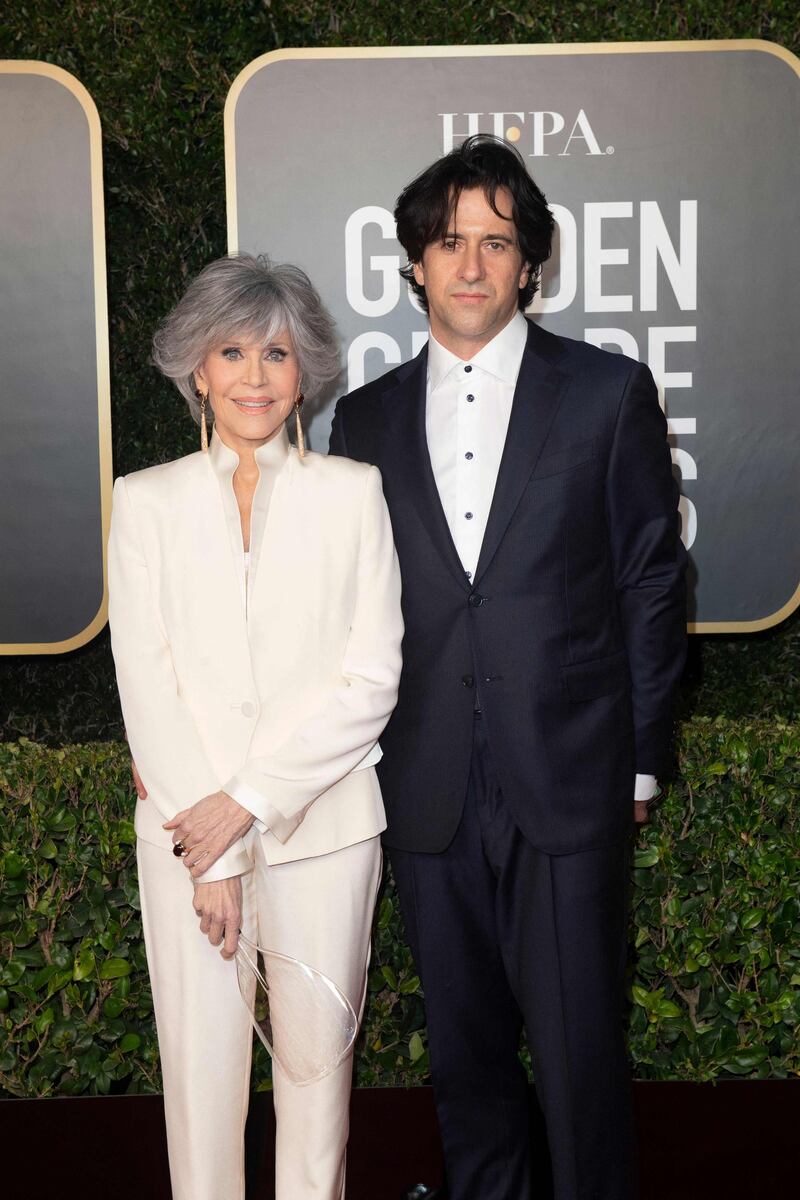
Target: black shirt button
{"type": "Point", "coordinates": [470, 398]}
{"type": "Point", "coordinates": [468, 516]}
{"type": "Point", "coordinates": [469, 455]}
{"type": "Point", "coordinates": [468, 368]}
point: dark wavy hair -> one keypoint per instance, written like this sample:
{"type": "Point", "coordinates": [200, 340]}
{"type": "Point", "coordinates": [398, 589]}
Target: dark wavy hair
{"type": "Point", "coordinates": [425, 207]}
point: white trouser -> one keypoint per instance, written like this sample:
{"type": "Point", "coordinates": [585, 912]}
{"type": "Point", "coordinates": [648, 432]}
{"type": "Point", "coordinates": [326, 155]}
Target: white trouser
{"type": "Point", "coordinates": [318, 910]}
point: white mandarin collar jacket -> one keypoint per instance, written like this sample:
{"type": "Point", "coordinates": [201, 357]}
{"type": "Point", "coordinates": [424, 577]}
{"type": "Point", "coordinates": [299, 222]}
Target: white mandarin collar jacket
{"type": "Point", "coordinates": [276, 695]}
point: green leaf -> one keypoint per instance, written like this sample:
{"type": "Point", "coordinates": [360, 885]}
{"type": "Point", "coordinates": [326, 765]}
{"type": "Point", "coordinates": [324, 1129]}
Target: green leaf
{"type": "Point", "coordinates": [131, 1041]}
{"type": "Point", "coordinates": [752, 918]}
{"type": "Point", "coordinates": [115, 968]}
{"type": "Point", "coordinates": [646, 858]}
{"type": "Point", "coordinates": [13, 865]}
{"type": "Point", "coordinates": [389, 975]}
{"type": "Point", "coordinates": [410, 985]}
{"type": "Point", "coordinates": [746, 1060]}
{"type": "Point", "coordinates": [13, 972]}
{"type": "Point", "coordinates": [416, 1048]}
{"type": "Point", "coordinates": [84, 965]}
{"type": "Point", "coordinates": [716, 768]}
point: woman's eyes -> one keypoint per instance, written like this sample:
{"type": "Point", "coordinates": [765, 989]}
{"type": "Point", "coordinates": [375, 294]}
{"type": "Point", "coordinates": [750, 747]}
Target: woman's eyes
{"type": "Point", "coordinates": [274, 354]}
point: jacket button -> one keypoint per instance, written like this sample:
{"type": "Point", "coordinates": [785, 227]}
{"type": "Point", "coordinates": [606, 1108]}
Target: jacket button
{"type": "Point", "coordinates": [468, 681]}
{"type": "Point", "coordinates": [476, 599]}
{"type": "Point", "coordinates": [248, 709]}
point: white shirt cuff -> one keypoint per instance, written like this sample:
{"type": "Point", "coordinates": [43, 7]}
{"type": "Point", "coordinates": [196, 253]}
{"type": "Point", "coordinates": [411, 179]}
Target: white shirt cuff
{"type": "Point", "coordinates": [645, 788]}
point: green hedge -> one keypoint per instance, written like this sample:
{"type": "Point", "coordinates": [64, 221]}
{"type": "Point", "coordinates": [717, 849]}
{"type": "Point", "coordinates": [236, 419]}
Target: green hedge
{"type": "Point", "coordinates": [715, 932]}
{"type": "Point", "coordinates": [159, 74]}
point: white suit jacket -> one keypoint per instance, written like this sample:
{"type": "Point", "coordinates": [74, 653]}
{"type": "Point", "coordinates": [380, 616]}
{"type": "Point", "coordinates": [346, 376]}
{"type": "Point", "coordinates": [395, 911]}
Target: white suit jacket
{"type": "Point", "coordinates": [277, 694]}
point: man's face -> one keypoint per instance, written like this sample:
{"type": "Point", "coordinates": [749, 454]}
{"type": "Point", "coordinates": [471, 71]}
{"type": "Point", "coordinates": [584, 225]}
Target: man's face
{"type": "Point", "coordinates": [473, 276]}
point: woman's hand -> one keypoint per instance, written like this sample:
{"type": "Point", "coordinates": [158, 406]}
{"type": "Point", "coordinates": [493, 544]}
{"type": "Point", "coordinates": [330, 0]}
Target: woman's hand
{"type": "Point", "coordinates": [219, 907]}
{"type": "Point", "coordinates": [208, 829]}
{"type": "Point", "coordinates": [141, 790]}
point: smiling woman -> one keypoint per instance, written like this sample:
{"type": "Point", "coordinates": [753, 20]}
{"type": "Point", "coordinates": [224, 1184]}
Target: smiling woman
{"type": "Point", "coordinates": [259, 809]}
{"type": "Point", "coordinates": [251, 388]}
{"type": "Point", "coordinates": [240, 302]}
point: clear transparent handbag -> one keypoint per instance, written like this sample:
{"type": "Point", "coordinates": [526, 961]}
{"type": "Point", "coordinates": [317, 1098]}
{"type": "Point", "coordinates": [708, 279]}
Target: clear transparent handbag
{"type": "Point", "coordinates": [305, 1021]}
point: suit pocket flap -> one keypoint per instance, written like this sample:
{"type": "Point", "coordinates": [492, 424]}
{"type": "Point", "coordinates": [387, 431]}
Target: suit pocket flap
{"type": "Point", "coordinates": [557, 461]}
{"type": "Point", "coordinates": [597, 677]}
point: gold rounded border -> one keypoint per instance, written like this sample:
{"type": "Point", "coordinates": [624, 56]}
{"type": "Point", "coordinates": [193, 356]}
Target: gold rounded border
{"type": "Point", "coordinates": [504, 51]}
{"type": "Point", "coordinates": [76, 88]}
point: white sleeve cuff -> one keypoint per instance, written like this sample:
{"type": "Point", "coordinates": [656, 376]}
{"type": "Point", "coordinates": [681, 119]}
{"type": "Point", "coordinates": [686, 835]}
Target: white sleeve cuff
{"type": "Point", "coordinates": [235, 861]}
{"type": "Point", "coordinates": [645, 788]}
{"type": "Point", "coordinates": [267, 815]}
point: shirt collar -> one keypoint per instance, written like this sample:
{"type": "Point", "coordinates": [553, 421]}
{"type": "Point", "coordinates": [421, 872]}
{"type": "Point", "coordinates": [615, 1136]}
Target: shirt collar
{"type": "Point", "coordinates": [501, 357]}
{"type": "Point", "coordinates": [271, 456]}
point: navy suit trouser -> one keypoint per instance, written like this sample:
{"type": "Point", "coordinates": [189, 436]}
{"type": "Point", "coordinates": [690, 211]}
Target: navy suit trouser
{"type": "Point", "coordinates": [503, 936]}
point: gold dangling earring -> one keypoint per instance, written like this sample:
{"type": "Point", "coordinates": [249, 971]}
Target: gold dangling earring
{"type": "Point", "coordinates": [203, 424]}
{"type": "Point", "coordinates": [301, 441]}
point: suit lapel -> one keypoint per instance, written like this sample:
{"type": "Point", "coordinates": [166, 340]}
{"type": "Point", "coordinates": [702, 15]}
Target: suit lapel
{"type": "Point", "coordinates": [540, 387]}
{"type": "Point", "coordinates": [407, 452]}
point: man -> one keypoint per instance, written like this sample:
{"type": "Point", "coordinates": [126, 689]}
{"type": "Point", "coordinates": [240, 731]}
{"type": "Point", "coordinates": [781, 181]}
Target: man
{"type": "Point", "coordinates": [535, 515]}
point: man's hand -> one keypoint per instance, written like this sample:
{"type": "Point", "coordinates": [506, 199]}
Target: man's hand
{"type": "Point", "coordinates": [645, 793]}
{"type": "Point", "coordinates": [208, 829]}
{"type": "Point", "coordinates": [219, 907]}
{"type": "Point", "coordinates": [141, 790]}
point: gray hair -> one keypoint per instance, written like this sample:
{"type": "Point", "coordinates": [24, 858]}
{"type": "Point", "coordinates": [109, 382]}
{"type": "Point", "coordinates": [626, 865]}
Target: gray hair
{"type": "Point", "coordinates": [247, 295]}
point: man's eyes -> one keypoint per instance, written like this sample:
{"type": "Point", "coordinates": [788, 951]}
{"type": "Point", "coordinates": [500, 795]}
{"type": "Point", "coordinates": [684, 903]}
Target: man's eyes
{"type": "Point", "coordinates": [451, 244]}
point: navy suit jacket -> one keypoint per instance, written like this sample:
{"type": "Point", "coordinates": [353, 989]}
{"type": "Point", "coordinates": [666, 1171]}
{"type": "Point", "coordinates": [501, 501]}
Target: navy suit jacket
{"type": "Point", "coordinates": [573, 631]}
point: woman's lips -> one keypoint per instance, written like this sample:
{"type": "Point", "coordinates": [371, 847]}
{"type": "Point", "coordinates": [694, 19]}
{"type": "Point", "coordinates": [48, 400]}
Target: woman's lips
{"type": "Point", "coordinates": [253, 406]}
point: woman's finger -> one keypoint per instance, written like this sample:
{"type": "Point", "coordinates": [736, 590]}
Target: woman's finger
{"type": "Point", "coordinates": [176, 820]}
{"type": "Point", "coordinates": [231, 939]}
{"type": "Point", "coordinates": [194, 854]}
{"type": "Point", "coordinates": [202, 863]}
{"type": "Point", "coordinates": [215, 932]}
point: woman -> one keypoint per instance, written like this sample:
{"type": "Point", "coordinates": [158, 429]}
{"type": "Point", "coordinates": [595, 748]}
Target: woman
{"type": "Point", "coordinates": [256, 629]}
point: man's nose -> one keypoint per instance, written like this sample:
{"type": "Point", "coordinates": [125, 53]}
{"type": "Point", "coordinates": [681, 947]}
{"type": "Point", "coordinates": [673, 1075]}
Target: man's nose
{"type": "Point", "coordinates": [471, 264]}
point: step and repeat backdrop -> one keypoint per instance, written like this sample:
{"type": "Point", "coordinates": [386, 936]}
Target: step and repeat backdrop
{"type": "Point", "coordinates": [55, 438]}
{"type": "Point", "coordinates": [672, 172]}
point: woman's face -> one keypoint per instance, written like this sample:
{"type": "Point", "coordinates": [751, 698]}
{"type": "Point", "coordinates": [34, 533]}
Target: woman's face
{"type": "Point", "coordinates": [251, 388]}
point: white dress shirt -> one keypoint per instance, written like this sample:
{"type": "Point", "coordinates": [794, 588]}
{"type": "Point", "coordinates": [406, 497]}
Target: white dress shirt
{"type": "Point", "coordinates": [466, 420]}
{"type": "Point", "coordinates": [467, 410]}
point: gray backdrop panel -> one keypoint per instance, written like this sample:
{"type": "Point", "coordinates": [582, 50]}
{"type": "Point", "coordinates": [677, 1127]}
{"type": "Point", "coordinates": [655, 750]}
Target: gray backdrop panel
{"type": "Point", "coordinates": [51, 552]}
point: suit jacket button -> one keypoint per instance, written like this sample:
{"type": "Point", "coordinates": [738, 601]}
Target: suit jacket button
{"type": "Point", "coordinates": [468, 681]}
{"type": "Point", "coordinates": [248, 709]}
{"type": "Point", "coordinates": [476, 599]}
